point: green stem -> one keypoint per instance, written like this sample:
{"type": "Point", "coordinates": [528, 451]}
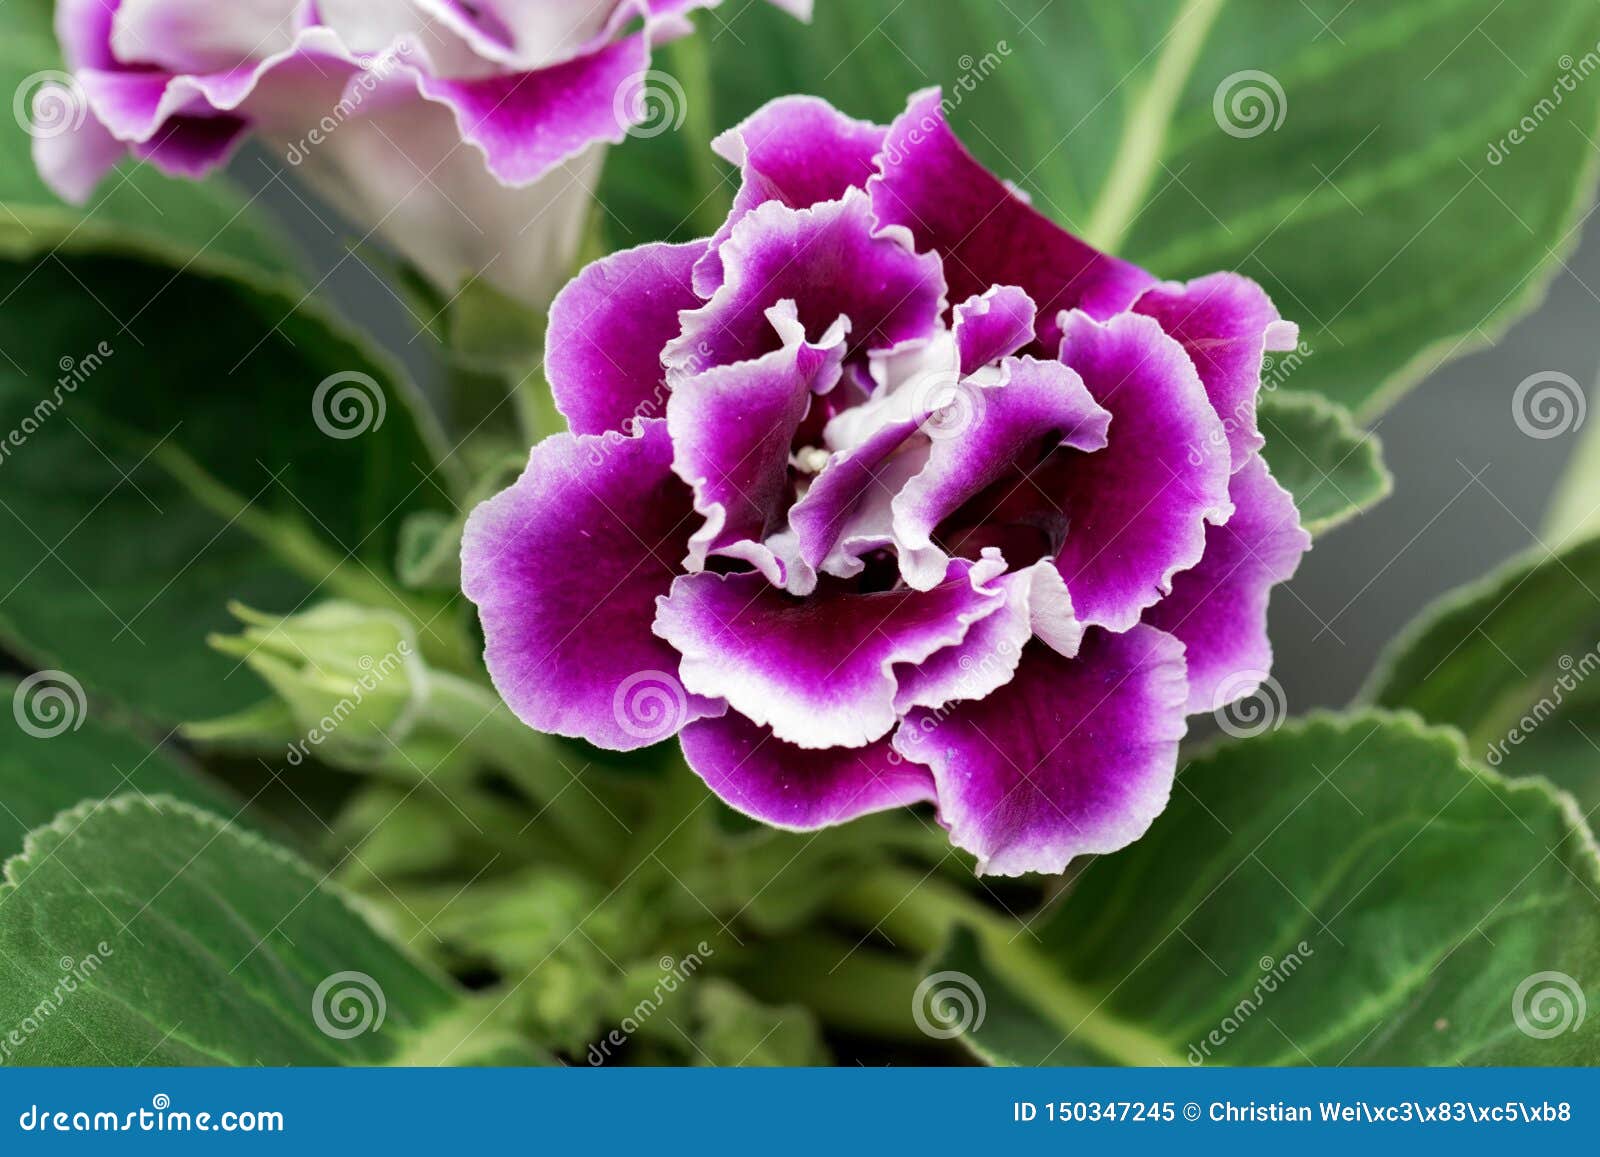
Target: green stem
{"type": "Point", "coordinates": [530, 760]}
{"type": "Point", "coordinates": [921, 912]}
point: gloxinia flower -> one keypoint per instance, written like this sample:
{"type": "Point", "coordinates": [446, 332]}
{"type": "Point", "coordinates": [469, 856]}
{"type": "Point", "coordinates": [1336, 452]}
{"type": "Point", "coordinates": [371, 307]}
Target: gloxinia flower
{"type": "Point", "coordinates": [451, 127]}
{"type": "Point", "coordinates": [893, 491]}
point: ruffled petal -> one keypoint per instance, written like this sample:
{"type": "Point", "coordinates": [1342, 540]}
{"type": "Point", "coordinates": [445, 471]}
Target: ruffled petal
{"type": "Point", "coordinates": [817, 670]}
{"type": "Point", "coordinates": [607, 328]}
{"type": "Point", "coordinates": [797, 150]}
{"type": "Point", "coordinates": [831, 262]}
{"type": "Point", "coordinates": [1136, 510]}
{"type": "Point", "coordinates": [1035, 407]}
{"type": "Point", "coordinates": [732, 428]}
{"type": "Point", "coordinates": [527, 123]}
{"type": "Point", "coordinates": [565, 567]}
{"type": "Point", "coordinates": [1036, 604]}
{"type": "Point", "coordinates": [845, 512]}
{"type": "Point", "coordinates": [993, 325]}
{"type": "Point", "coordinates": [985, 233]}
{"type": "Point", "coordinates": [1226, 323]}
{"type": "Point", "coordinates": [1219, 608]}
{"type": "Point", "coordinates": [777, 783]}
{"type": "Point", "coordinates": [1071, 757]}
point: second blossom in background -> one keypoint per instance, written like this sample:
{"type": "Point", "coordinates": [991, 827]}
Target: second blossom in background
{"type": "Point", "coordinates": [469, 136]}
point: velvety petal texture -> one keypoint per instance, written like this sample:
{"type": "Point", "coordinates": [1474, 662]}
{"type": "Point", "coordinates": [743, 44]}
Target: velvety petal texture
{"type": "Point", "coordinates": [798, 789]}
{"type": "Point", "coordinates": [565, 568]}
{"type": "Point", "coordinates": [947, 507]}
{"type": "Point", "coordinates": [1070, 757]}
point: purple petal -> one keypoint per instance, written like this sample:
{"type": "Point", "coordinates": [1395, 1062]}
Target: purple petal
{"type": "Point", "coordinates": [527, 123]}
{"type": "Point", "coordinates": [827, 259]}
{"type": "Point", "coordinates": [797, 150]}
{"type": "Point", "coordinates": [1071, 757]}
{"type": "Point", "coordinates": [84, 29]}
{"type": "Point", "coordinates": [607, 328]}
{"type": "Point", "coordinates": [817, 670]}
{"type": "Point", "coordinates": [985, 233]}
{"type": "Point", "coordinates": [1219, 608]}
{"type": "Point", "coordinates": [1036, 603]}
{"type": "Point", "coordinates": [1136, 510]}
{"type": "Point", "coordinates": [73, 162]}
{"type": "Point", "coordinates": [732, 428]}
{"type": "Point", "coordinates": [992, 326]}
{"type": "Point", "coordinates": [788, 787]}
{"type": "Point", "coordinates": [1035, 407]}
{"type": "Point", "coordinates": [565, 567]}
{"type": "Point", "coordinates": [1226, 323]}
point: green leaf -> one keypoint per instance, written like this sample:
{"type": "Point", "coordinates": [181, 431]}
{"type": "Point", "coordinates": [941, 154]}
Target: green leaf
{"type": "Point", "coordinates": [1372, 212]}
{"type": "Point", "coordinates": [163, 450]}
{"type": "Point", "coordinates": [1333, 468]}
{"type": "Point", "coordinates": [71, 754]}
{"type": "Point", "coordinates": [1513, 661]}
{"type": "Point", "coordinates": [204, 225]}
{"type": "Point", "coordinates": [148, 932]}
{"type": "Point", "coordinates": [1575, 507]}
{"type": "Point", "coordinates": [1340, 891]}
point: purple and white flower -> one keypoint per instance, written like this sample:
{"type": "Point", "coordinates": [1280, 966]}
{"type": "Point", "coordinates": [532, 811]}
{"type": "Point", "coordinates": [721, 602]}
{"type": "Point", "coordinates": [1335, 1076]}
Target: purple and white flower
{"type": "Point", "coordinates": [469, 134]}
{"type": "Point", "coordinates": [918, 497]}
